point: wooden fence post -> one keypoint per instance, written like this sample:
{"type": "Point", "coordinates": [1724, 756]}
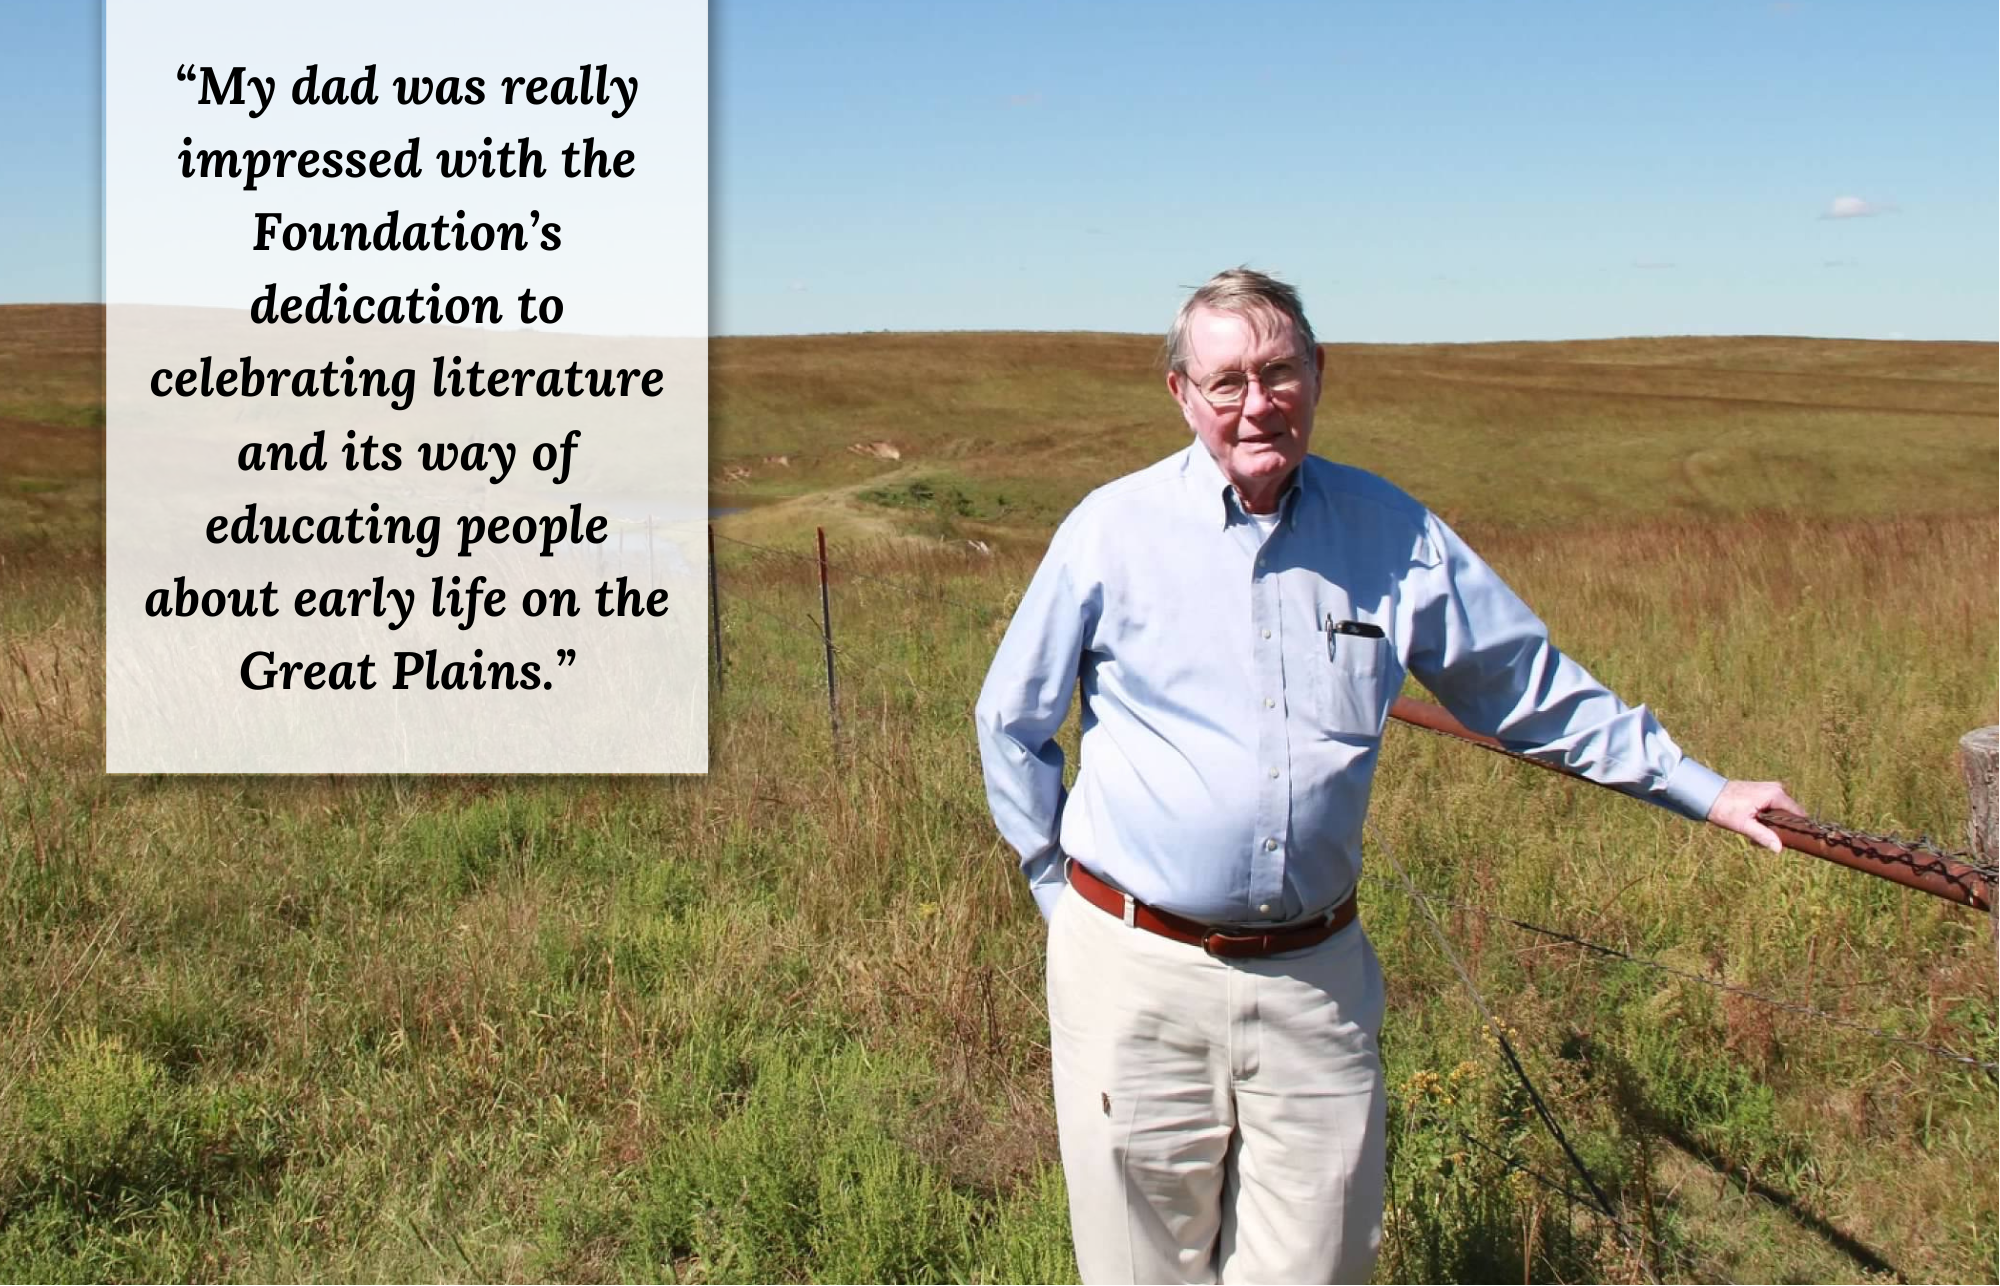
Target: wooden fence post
{"type": "Point", "coordinates": [1979, 758]}
{"type": "Point", "coordinates": [826, 630]}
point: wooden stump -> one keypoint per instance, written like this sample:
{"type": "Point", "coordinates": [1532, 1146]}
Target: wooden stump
{"type": "Point", "coordinates": [1979, 756]}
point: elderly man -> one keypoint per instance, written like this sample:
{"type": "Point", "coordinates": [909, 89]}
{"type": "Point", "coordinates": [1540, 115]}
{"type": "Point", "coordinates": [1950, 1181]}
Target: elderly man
{"type": "Point", "coordinates": [1240, 616]}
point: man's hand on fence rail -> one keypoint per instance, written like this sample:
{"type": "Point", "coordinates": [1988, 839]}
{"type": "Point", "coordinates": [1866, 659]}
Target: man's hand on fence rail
{"type": "Point", "coordinates": [1736, 809]}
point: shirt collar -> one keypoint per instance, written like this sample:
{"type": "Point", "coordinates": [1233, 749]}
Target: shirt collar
{"type": "Point", "coordinates": [1216, 497]}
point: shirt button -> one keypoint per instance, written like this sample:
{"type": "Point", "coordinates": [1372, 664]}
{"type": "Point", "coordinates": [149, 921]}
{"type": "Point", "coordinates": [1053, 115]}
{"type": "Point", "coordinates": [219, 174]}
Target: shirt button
{"type": "Point", "coordinates": [1267, 634]}
{"type": "Point", "coordinates": [1270, 845]}
{"type": "Point", "coordinates": [1269, 703]}
{"type": "Point", "coordinates": [1263, 908]}
{"type": "Point", "coordinates": [1274, 774]}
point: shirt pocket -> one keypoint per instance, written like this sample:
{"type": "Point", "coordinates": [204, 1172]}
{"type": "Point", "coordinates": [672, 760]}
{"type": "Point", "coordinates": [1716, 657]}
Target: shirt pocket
{"type": "Point", "coordinates": [1355, 685]}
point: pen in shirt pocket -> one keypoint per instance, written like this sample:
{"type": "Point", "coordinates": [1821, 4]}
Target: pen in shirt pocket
{"type": "Point", "coordinates": [1355, 629]}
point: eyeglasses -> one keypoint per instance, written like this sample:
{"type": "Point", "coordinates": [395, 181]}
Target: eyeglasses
{"type": "Point", "coordinates": [1229, 388]}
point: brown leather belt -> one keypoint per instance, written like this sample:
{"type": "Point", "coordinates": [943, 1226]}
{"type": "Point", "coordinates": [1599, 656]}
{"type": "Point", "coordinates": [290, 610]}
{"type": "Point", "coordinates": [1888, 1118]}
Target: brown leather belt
{"type": "Point", "coordinates": [1227, 946]}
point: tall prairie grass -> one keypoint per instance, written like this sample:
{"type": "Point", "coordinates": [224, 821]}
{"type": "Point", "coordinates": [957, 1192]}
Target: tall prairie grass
{"type": "Point", "coordinates": [785, 1022]}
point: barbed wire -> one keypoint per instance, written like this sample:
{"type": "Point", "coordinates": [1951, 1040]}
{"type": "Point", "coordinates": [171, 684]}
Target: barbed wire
{"type": "Point", "coordinates": [1924, 845]}
{"type": "Point", "coordinates": [764, 554]}
{"type": "Point", "coordinates": [840, 651]}
{"type": "Point", "coordinates": [924, 595]}
{"type": "Point", "coordinates": [1499, 1034]}
{"type": "Point", "coordinates": [1516, 1163]}
{"type": "Point", "coordinates": [1789, 1006]}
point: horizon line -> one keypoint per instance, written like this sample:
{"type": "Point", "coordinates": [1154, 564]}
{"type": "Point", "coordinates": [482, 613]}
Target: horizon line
{"type": "Point", "coordinates": [1156, 336]}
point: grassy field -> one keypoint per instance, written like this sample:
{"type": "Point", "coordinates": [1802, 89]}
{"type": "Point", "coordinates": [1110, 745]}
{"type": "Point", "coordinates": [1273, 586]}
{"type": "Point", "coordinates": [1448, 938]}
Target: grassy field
{"type": "Point", "coordinates": [783, 1022]}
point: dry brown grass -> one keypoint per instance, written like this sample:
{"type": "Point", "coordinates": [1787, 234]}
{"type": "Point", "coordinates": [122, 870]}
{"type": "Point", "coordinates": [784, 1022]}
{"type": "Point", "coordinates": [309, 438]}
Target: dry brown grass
{"type": "Point", "coordinates": [596, 1028]}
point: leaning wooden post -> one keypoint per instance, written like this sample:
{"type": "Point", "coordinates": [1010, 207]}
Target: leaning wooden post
{"type": "Point", "coordinates": [715, 607]}
{"type": "Point", "coordinates": [826, 630]}
{"type": "Point", "coordinates": [1979, 758]}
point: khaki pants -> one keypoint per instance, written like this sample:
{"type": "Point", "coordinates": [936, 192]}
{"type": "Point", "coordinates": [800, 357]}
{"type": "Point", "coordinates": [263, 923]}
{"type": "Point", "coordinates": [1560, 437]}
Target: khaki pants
{"type": "Point", "coordinates": [1220, 1120]}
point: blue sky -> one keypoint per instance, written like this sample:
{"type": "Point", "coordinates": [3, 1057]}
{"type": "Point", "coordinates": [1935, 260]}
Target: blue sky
{"type": "Point", "coordinates": [1424, 171]}
{"type": "Point", "coordinates": [51, 54]}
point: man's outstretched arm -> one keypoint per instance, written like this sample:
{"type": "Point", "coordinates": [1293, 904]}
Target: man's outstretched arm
{"type": "Point", "coordinates": [1488, 657]}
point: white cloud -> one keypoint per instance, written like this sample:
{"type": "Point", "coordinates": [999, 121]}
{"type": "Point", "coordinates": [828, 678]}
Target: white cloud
{"type": "Point", "coordinates": [1854, 207]}
{"type": "Point", "coordinates": [1652, 264]}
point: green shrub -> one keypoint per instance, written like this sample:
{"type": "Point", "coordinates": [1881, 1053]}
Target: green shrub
{"type": "Point", "coordinates": [789, 1167]}
{"type": "Point", "coordinates": [104, 1133]}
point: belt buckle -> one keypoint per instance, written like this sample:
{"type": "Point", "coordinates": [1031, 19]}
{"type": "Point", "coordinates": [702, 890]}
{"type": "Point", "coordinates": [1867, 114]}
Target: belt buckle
{"type": "Point", "coordinates": [1214, 937]}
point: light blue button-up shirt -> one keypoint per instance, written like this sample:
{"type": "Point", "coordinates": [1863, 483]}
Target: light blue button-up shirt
{"type": "Point", "coordinates": [1234, 696]}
